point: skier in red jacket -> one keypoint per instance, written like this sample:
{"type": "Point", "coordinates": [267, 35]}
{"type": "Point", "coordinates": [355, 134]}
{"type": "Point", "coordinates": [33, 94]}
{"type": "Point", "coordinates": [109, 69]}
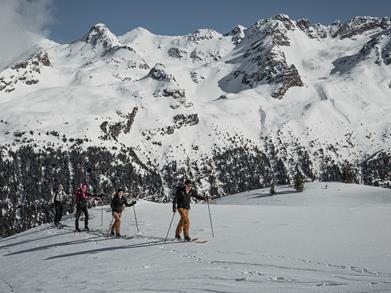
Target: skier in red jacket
{"type": "Point", "coordinates": [81, 205]}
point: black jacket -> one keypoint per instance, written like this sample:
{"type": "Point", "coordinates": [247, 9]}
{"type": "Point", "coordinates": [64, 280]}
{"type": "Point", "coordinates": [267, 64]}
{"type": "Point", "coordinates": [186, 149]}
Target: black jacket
{"type": "Point", "coordinates": [117, 203]}
{"type": "Point", "coordinates": [182, 199]}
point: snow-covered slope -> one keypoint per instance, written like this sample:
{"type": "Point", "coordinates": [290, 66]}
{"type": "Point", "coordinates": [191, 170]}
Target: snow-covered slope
{"type": "Point", "coordinates": [321, 240]}
{"type": "Point", "coordinates": [232, 111]}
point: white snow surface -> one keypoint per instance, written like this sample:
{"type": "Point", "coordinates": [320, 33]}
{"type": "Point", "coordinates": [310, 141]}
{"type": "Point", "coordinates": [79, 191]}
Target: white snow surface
{"type": "Point", "coordinates": [334, 239]}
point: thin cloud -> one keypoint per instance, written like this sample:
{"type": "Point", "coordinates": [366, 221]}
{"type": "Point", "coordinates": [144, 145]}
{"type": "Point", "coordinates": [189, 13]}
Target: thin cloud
{"type": "Point", "coordinates": [21, 24]}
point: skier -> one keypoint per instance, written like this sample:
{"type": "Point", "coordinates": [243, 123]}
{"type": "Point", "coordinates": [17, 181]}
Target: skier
{"type": "Point", "coordinates": [58, 199]}
{"type": "Point", "coordinates": [81, 205]}
{"type": "Point", "coordinates": [117, 206]}
{"type": "Point", "coordinates": [181, 203]}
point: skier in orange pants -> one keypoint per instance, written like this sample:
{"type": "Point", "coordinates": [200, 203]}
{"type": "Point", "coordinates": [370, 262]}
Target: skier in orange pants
{"type": "Point", "coordinates": [181, 204]}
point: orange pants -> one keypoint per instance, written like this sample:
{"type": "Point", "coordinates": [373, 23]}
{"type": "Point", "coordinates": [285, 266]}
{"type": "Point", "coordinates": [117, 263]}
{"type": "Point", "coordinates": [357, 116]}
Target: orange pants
{"type": "Point", "coordinates": [117, 223]}
{"type": "Point", "coordinates": [184, 223]}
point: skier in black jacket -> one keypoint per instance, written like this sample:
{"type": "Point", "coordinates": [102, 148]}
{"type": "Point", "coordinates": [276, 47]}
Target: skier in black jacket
{"type": "Point", "coordinates": [181, 203]}
{"type": "Point", "coordinates": [117, 206]}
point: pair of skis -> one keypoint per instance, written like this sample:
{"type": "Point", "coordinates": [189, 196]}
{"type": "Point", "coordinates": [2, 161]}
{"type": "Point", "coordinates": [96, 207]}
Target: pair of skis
{"type": "Point", "coordinates": [127, 237]}
{"type": "Point", "coordinates": [195, 240]}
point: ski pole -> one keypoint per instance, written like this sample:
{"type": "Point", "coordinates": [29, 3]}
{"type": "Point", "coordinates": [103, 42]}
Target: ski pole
{"type": "Point", "coordinates": [169, 227]}
{"type": "Point", "coordinates": [135, 219]}
{"type": "Point", "coordinates": [210, 218]}
{"type": "Point", "coordinates": [101, 214]}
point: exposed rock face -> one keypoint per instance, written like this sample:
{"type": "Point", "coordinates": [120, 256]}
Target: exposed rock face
{"type": "Point", "coordinates": [199, 55]}
{"type": "Point", "coordinates": [114, 129]}
{"type": "Point", "coordinates": [124, 56]}
{"type": "Point", "coordinates": [178, 94]}
{"type": "Point", "coordinates": [25, 72]}
{"type": "Point", "coordinates": [197, 78]}
{"type": "Point", "coordinates": [170, 92]}
{"type": "Point", "coordinates": [113, 50]}
{"type": "Point", "coordinates": [159, 72]}
{"type": "Point", "coordinates": [290, 78]}
{"type": "Point", "coordinates": [313, 31]}
{"type": "Point", "coordinates": [359, 25]}
{"type": "Point", "coordinates": [386, 53]}
{"type": "Point", "coordinates": [179, 120]}
{"type": "Point", "coordinates": [182, 119]}
{"type": "Point", "coordinates": [176, 52]}
{"type": "Point", "coordinates": [377, 49]}
{"type": "Point", "coordinates": [273, 69]}
{"type": "Point", "coordinates": [237, 34]}
{"type": "Point", "coordinates": [203, 34]}
{"type": "Point", "coordinates": [285, 20]}
{"type": "Point", "coordinates": [263, 62]}
{"type": "Point", "coordinates": [100, 36]}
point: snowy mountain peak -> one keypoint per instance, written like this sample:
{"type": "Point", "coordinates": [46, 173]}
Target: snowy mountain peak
{"type": "Point", "coordinates": [385, 23]}
{"type": "Point", "coordinates": [237, 34]}
{"type": "Point", "coordinates": [313, 31]}
{"type": "Point", "coordinates": [203, 34]}
{"type": "Point", "coordinates": [359, 25]}
{"type": "Point", "coordinates": [100, 35]}
{"type": "Point", "coordinates": [274, 29]}
{"type": "Point", "coordinates": [136, 34]}
{"type": "Point", "coordinates": [285, 20]}
{"type": "Point", "coordinates": [377, 50]}
{"type": "Point", "coordinates": [25, 72]}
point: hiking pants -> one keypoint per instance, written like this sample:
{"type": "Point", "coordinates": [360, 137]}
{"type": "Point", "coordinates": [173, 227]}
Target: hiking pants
{"type": "Point", "coordinates": [81, 208]}
{"type": "Point", "coordinates": [117, 223]}
{"type": "Point", "coordinates": [58, 211]}
{"type": "Point", "coordinates": [184, 223]}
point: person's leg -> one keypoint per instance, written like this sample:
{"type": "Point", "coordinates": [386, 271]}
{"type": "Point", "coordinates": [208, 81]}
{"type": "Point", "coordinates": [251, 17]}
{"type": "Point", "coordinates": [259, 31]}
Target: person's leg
{"type": "Point", "coordinates": [113, 227]}
{"type": "Point", "coordinates": [179, 228]}
{"type": "Point", "coordinates": [186, 224]}
{"type": "Point", "coordinates": [85, 211]}
{"type": "Point", "coordinates": [60, 211]}
{"type": "Point", "coordinates": [118, 231]}
{"type": "Point", "coordinates": [78, 213]}
{"type": "Point", "coordinates": [56, 211]}
{"type": "Point", "coordinates": [117, 219]}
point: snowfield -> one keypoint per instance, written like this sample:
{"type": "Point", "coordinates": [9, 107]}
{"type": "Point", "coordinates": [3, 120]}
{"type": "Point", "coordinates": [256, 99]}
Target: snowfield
{"type": "Point", "coordinates": [334, 239]}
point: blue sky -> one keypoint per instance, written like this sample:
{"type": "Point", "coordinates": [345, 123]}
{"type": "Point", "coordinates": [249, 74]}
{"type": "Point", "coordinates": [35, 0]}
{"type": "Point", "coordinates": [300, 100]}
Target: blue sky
{"type": "Point", "coordinates": [73, 18]}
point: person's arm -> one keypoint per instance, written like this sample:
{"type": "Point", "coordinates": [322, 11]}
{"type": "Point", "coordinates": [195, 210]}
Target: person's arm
{"type": "Point", "coordinates": [129, 204]}
{"type": "Point", "coordinates": [66, 196]}
{"type": "Point", "coordinates": [77, 197]}
{"type": "Point", "coordinates": [195, 195]}
{"type": "Point", "coordinates": [94, 195]}
{"type": "Point", "coordinates": [54, 195]}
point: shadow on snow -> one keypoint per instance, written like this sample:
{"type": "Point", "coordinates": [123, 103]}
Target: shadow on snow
{"type": "Point", "coordinates": [94, 251]}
